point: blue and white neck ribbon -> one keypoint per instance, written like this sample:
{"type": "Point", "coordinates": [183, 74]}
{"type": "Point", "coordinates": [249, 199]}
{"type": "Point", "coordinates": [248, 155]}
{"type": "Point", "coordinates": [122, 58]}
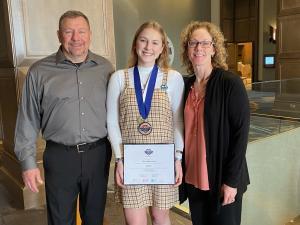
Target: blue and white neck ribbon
{"type": "Point", "coordinates": [144, 107]}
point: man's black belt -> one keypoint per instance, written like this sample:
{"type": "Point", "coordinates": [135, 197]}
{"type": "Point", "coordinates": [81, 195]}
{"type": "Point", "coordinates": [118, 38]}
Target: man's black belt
{"type": "Point", "coordinates": [81, 147]}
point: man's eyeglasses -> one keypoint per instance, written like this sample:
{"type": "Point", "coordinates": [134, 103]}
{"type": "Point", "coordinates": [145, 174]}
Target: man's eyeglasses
{"type": "Point", "coordinates": [203, 44]}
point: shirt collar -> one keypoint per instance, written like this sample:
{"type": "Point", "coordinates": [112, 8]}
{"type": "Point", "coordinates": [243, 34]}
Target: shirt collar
{"type": "Point", "coordinates": [60, 57]}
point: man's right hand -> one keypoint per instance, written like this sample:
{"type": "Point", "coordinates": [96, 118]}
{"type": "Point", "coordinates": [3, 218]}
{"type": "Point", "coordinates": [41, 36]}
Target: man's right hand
{"type": "Point", "coordinates": [32, 178]}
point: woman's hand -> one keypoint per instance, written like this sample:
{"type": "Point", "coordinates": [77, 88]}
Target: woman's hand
{"type": "Point", "coordinates": [119, 174]}
{"type": "Point", "coordinates": [178, 173]}
{"type": "Point", "coordinates": [228, 194]}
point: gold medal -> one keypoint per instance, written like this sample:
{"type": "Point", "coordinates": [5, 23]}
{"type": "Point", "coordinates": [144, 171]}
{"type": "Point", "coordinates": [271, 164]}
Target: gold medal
{"type": "Point", "coordinates": [139, 120]}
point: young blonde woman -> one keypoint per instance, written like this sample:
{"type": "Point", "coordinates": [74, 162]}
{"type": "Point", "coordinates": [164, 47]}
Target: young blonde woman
{"type": "Point", "coordinates": [133, 119]}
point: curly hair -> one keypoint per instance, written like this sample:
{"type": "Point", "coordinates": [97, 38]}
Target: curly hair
{"type": "Point", "coordinates": [163, 60]}
{"type": "Point", "coordinates": [220, 56]}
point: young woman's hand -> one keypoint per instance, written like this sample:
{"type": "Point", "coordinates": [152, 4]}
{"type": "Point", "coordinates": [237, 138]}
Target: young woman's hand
{"type": "Point", "coordinates": [119, 174]}
{"type": "Point", "coordinates": [178, 173]}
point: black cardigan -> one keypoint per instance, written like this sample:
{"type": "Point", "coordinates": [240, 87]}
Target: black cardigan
{"type": "Point", "coordinates": [226, 125]}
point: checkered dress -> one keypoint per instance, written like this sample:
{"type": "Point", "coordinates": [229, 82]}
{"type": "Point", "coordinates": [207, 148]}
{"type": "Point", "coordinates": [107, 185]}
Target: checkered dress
{"type": "Point", "coordinates": [161, 120]}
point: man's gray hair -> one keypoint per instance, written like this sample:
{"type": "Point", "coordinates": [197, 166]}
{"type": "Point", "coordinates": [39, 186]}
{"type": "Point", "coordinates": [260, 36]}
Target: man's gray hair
{"type": "Point", "coordinates": [72, 14]}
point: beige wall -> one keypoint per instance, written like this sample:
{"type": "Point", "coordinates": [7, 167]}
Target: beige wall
{"type": "Point", "coordinates": [173, 15]}
{"type": "Point", "coordinates": [269, 17]}
{"type": "Point", "coordinates": [215, 12]}
{"type": "Point", "coordinates": [273, 197]}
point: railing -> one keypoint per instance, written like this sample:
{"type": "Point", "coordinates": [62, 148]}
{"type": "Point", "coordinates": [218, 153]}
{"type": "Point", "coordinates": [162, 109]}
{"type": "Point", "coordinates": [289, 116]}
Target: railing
{"type": "Point", "coordinates": [295, 221]}
{"type": "Point", "coordinates": [275, 107]}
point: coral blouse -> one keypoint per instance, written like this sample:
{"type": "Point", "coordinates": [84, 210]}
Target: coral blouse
{"type": "Point", "coordinates": [195, 148]}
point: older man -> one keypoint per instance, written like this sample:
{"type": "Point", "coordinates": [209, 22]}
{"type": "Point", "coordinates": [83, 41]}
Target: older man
{"type": "Point", "coordinates": [64, 97]}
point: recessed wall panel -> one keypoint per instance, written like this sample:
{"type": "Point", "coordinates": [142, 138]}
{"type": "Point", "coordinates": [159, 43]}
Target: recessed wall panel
{"type": "Point", "coordinates": [287, 7]}
{"type": "Point", "coordinates": [242, 9]}
{"type": "Point", "coordinates": [289, 69]}
{"type": "Point", "coordinates": [289, 36]}
{"type": "Point", "coordinates": [36, 25]}
{"type": "Point", "coordinates": [41, 23]}
{"type": "Point", "coordinates": [228, 30]}
{"type": "Point", "coordinates": [241, 32]}
{"type": "Point", "coordinates": [290, 4]}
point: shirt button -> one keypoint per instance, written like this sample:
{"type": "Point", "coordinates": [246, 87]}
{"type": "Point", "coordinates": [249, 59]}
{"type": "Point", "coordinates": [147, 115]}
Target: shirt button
{"type": "Point", "coordinates": [81, 98]}
{"type": "Point", "coordinates": [80, 82]}
{"type": "Point", "coordinates": [83, 129]}
{"type": "Point", "coordinates": [82, 113]}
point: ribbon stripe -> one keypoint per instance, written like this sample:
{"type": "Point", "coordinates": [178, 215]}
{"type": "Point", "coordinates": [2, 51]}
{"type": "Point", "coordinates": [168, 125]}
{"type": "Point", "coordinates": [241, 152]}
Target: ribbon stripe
{"type": "Point", "coordinates": [144, 107]}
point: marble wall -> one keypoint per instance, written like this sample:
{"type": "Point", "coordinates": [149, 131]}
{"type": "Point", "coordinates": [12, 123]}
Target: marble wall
{"type": "Point", "coordinates": [273, 197]}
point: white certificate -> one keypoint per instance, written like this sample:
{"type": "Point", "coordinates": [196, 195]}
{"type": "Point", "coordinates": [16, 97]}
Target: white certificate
{"type": "Point", "coordinates": [149, 164]}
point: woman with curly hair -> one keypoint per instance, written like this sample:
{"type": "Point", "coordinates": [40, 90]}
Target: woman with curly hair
{"type": "Point", "coordinates": [216, 120]}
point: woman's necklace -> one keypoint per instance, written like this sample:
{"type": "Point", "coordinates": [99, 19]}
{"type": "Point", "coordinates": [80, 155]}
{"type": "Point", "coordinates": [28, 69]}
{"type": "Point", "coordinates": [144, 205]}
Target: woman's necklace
{"type": "Point", "coordinates": [200, 87]}
{"type": "Point", "coordinates": [144, 84]}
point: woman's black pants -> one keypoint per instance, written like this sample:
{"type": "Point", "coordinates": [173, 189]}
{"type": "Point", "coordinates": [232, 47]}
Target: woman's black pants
{"type": "Point", "coordinates": [200, 205]}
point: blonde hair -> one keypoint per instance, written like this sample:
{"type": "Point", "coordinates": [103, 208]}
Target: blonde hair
{"type": "Point", "coordinates": [220, 56]}
{"type": "Point", "coordinates": [163, 60]}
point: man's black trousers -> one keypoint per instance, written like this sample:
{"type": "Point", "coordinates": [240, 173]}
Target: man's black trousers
{"type": "Point", "coordinates": [72, 171]}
